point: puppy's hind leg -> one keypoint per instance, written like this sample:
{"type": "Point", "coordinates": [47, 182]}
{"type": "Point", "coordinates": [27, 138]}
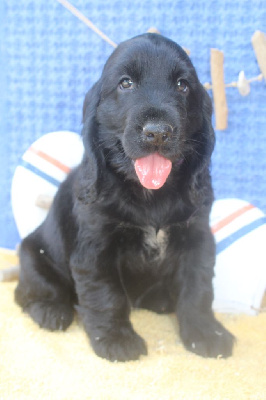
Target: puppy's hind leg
{"type": "Point", "coordinates": [42, 291]}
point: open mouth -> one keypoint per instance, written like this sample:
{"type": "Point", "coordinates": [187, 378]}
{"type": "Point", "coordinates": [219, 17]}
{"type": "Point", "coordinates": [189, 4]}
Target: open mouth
{"type": "Point", "coordinates": [153, 170]}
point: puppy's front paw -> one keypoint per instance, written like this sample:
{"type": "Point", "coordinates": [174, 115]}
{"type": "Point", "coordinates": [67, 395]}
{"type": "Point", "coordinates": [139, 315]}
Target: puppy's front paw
{"type": "Point", "coordinates": [122, 345]}
{"type": "Point", "coordinates": [207, 337]}
{"type": "Point", "coordinates": [49, 315]}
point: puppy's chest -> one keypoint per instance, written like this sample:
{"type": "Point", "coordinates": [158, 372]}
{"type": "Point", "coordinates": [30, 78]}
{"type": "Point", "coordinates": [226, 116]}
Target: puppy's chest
{"type": "Point", "coordinates": [143, 244]}
{"type": "Point", "coordinates": [154, 244]}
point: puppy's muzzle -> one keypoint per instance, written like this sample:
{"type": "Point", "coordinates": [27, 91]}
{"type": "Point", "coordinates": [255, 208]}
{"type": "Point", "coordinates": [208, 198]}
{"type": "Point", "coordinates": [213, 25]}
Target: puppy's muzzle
{"type": "Point", "coordinates": [156, 133]}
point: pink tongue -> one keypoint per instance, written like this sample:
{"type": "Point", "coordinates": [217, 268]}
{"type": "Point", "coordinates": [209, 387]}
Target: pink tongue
{"type": "Point", "coordinates": [153, 170]}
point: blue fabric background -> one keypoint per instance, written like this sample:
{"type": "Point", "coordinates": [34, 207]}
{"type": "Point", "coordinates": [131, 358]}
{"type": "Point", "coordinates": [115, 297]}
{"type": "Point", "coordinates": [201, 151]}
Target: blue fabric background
{"type": "Point", "coordinates": [49, 59]}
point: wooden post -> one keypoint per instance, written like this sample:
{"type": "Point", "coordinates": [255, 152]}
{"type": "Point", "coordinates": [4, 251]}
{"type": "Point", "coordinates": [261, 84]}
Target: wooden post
{"type": "Point", "coordinates": [259, 45]}
{"type": "Point", "coordinates": [152, 29]}
{"type": "Point", "coordinates": [155, 30]}
{"type": "Point", "coordinates": [218, 89]}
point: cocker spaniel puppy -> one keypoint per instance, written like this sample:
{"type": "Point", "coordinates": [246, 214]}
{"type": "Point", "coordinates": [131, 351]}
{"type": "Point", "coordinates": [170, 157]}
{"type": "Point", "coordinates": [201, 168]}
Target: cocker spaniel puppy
{"type": "Point", "coordinates": [129, 227]}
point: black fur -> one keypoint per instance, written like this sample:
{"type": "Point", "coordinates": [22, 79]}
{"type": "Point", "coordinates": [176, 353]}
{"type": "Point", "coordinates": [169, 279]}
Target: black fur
{"type": "Point", "coordinates": [109, 244]}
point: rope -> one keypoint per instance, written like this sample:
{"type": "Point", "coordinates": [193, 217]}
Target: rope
{"type": "Point", "coordinates": [258, 78]}
{"type": "Point", "coordinates": [86, 21]}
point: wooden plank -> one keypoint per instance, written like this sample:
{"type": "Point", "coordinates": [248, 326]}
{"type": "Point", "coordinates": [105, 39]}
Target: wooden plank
{"type": "Point", "coordinates": [259, 45]}
{"type": "Point", "coordinates": [218, 88]}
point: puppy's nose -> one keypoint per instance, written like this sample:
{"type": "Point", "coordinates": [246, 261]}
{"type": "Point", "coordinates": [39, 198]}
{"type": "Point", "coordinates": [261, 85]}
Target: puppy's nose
{"type": "Point", "coordinates": [157, 133]}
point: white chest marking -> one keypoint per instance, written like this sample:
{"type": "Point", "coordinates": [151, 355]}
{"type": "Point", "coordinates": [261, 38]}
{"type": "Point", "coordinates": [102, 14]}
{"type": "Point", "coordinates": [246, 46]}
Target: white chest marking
{"type": "Point", "coordinates": [155, 243]}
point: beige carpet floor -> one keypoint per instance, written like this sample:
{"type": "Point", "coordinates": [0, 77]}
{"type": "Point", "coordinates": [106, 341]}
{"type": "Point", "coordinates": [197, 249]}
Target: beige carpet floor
{"type": "Point", "coordinates": [36, 364]}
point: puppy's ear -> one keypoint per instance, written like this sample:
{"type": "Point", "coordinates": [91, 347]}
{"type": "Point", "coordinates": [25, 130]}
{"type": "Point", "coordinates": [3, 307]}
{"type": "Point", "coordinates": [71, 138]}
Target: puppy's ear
{"type": "Point", "coordinates": [90, 104]}
{"type": "Point", "coordinates": [207, 120]}
{"type": "Point", "coordinates": [204, 137]}
{"type": "Point", "coordinates": [91, 101]}
{"type": "Point", "coordinates": [207, 142]}
{"type": "Point", "coordinates": [200, 184]}
{"type": "Point", "coordinates": [88, 185]}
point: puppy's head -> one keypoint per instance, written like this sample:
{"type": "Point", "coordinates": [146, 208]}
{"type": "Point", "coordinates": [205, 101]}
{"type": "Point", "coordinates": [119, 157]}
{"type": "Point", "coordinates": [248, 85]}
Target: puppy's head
{"type": "Point", "coordinates": [148, 115]}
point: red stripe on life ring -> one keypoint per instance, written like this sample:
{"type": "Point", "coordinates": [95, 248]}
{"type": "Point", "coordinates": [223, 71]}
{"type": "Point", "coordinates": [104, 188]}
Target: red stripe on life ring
{"type": "Point", "coordinates": [50, 159]}
{"type": "Point", "coordinates": [221, 224]}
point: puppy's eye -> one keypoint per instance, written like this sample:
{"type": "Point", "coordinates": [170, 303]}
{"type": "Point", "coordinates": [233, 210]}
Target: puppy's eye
{"type": "Point", "coordinates": [182, 86]}
{"type": "Point", "coordinates": [126, 83]}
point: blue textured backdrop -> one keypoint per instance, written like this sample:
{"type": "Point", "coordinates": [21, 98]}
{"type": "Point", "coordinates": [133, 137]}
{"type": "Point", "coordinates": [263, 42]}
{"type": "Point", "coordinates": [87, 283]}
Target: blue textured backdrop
{"type": "Point", "coordinates": [49, 59]}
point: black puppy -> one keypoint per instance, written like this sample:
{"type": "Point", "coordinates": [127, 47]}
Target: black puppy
{"type": "Point", "coordinates": [130, 226]}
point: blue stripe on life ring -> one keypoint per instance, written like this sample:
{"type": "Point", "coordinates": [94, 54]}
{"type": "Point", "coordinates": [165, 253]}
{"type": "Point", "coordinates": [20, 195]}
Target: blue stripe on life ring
{"type": "Point", "coordinates": [223, 244]}
{"type": "Point", "coordinates": [40, 173]}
